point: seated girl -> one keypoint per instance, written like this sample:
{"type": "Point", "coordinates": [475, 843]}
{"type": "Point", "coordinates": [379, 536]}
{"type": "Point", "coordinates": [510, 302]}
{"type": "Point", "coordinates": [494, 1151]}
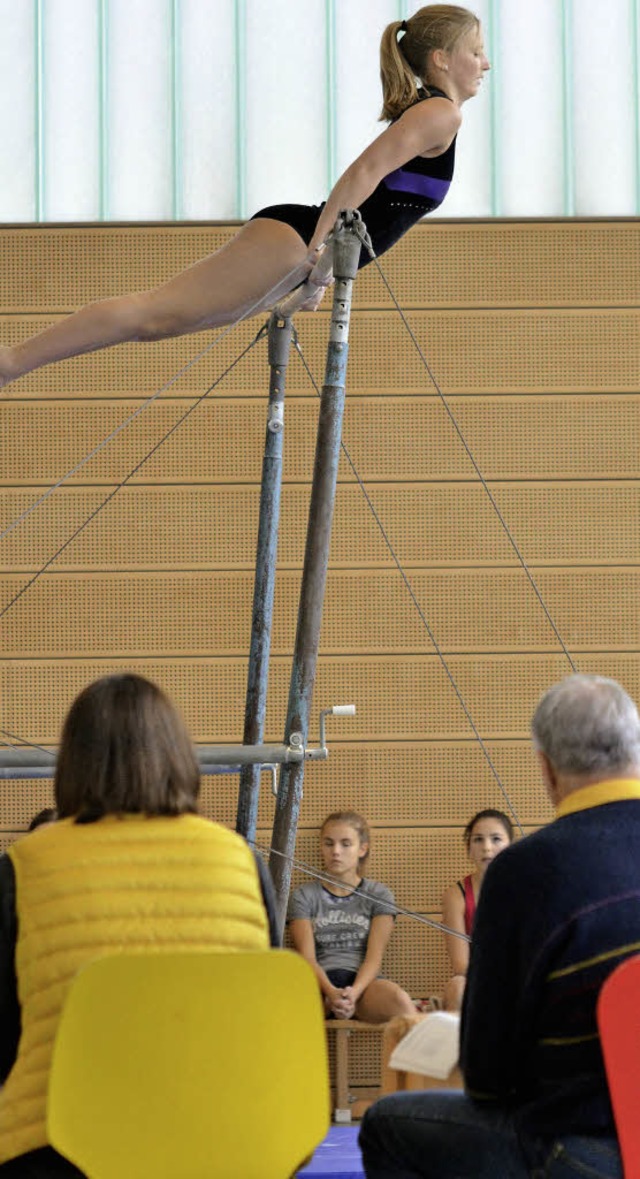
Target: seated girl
{"type": "Point", "coordinates": [487, 834]}
{"type": "Point", "coordinates": [343, 933]}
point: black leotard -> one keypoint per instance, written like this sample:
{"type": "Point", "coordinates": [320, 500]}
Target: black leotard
{"type": "Point", "coordinates": [400, 199]}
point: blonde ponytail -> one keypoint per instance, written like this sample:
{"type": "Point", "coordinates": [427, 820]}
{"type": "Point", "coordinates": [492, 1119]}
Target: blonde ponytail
{"type": "Point", "coordinates": [405, 59]}
{"type": "Point", "coordinates": [399, 89]}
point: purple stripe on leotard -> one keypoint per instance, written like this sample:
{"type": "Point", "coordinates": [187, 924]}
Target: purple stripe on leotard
{"type": "Point", "coordinates": [427, 186]}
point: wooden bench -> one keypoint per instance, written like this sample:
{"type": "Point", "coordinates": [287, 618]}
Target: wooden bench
{"type": "Point", "coordinates": [346, 1105]}
{"type": "Point", "coordinates": [396, 1080]}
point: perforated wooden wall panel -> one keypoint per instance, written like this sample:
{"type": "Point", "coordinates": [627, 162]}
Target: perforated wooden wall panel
{"type": "Point", "coordinates": [532, 331]}
{"type": "Point", "coordinates": [474, 351]}
{"type": "Point", "coordinates": [514, 263]}
{"type": "Point", "coordinates": [20, 800]}
{"type": "Point", "coordinates": [186, 613]}
{"type": "Point", "coordinates": [551, 437]}
{"type": "Point", "coordinates": [62, 267]}
{"type": "Point", "coordinates": [417, 957]}
{"type": "Point", "coordinates": [428, 525]}
{"type": "Point", "coordinates": [365, 1060]}
{"type": "Point", "coordinates": [408, 698]}
{"type": "Point", "coordinates": [511, 263]}
{"type": "Point", "coordinates": [7, 838]}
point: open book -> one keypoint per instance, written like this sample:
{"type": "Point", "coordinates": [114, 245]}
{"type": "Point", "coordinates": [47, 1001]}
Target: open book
{"type": "Point", "coordinates": [431, 1047]}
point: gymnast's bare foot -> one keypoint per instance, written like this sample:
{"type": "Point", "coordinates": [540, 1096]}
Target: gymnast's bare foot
{"type": "Point", "coordinates": [9, 369]}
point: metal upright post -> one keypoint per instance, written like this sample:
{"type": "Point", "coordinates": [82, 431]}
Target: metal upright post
{"type": "Point", "coordinates": [280, 333]}
{"type": "Point", "coordinates": [347, 241]}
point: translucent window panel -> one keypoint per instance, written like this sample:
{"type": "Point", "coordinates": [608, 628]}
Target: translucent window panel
{"type": "Point", "coordinates": [206, 110]}
{"type": "Point", "coordinates": [162, 109]}
{"type": "Point", "coordinates": [532, 117]}
{"type": "Point", "coordinates": [604, 108]}
{"type": "Point", "coordinates": [140, 110]}
{"type": "Point", "coordinates": [357, 74]}
{"type": "Point", "coordinates": [286, 103]}
{"type": "Point", "coordinates": [18, 78]}
{"type": "Point", "coordinates": [71, 144]}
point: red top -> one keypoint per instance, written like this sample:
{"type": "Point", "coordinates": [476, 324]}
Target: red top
{"type": "Point", "coordinates": [469, 904]}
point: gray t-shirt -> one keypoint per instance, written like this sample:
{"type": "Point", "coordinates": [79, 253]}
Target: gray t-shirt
{"type": "Point", "coordinates": [341, 924]}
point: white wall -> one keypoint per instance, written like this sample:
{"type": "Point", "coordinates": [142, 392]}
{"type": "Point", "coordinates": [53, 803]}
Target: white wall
{"type": "Point", "coordinates": [188, 109]}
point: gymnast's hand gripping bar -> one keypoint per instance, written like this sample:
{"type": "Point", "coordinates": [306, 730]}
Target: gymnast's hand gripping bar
{"type": "Point", "coordinates": [320, 276]}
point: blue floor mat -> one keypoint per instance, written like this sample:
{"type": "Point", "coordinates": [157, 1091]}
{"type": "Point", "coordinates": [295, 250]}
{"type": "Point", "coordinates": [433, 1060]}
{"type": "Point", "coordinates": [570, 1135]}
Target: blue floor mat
{"type": "Point", "coordinates": [338, 1157]}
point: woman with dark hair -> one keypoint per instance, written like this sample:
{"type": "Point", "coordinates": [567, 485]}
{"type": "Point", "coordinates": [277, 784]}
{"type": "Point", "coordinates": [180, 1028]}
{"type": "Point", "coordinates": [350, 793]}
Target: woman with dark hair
{"type": "Point", "coordinates": [430, 64]}
{"type": "Point", "coordinates": [128, 866]}
{"type": "Point", "coordinates": [485, 835]}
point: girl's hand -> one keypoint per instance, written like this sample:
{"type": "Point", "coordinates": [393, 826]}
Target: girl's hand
{"type": "Point", "coordinates": [316, 295]}
{"type": "Point", "coordinates": [320, 263]}
{"type": "Point", "coordinates": [349, 999]}
{"type": "Point", "coordinates": [339, 1005]}
{"type": "Point", "coordinates": [351, 994]}
{"type": "Point", "coordinates": [307, 295]}
{"type": "Point", "coordinates": [343, 1009]}
{"type": "Point", "coordinates": [314, 255]}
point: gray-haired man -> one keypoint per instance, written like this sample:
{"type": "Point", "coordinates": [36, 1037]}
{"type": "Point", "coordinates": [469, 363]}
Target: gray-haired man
{"type": "Point", "coordinates": [557, 913]}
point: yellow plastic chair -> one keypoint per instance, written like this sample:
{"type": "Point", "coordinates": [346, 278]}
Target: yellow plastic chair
{"type": "Point", "coordinates": [190, 1066]}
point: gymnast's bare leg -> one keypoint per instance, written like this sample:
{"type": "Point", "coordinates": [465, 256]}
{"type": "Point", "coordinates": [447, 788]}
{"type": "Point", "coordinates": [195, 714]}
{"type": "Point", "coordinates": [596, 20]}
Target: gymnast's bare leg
{"type": "Point", "coordinates": [268, 258]}
{"type": "Point", "coordinates": [264, 261]}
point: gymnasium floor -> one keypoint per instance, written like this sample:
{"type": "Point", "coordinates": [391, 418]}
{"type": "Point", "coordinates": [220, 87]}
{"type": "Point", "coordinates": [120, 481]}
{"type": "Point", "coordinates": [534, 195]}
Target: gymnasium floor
{"type": "Point", "coordinates": [338, 1157]}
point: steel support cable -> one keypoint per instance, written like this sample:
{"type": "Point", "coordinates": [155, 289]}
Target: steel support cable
{"type": "Point", "coordinates": [114, 491]}
{"type": "Point", "coordinates": [13, 741]}
{"type": "Point", "coordinates": [105, 441]}
{"type": "Point", "coordinates": [325, 879]}
{"type": "Point", "coordinates": [141, 408]}
{"type": "Point", "coordinates": [412, 594]}
{"type": "Point", "coordinates": [472, 459]}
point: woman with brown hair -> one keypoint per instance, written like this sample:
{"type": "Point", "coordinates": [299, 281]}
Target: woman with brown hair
{"type": "Point", "coordinates": [128, 866]}
{"type": "Point", "coordinates": [431, 64]}
{"type": "Point", "coordinates": [485, 836]}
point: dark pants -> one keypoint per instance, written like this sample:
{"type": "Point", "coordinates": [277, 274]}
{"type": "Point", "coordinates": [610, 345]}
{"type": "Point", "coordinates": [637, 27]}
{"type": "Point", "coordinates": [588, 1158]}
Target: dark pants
{"type": "Point", "coordinates": [445, 1135]}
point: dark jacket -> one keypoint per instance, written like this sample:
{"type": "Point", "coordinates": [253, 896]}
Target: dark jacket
{"type": "Point", "coordinates": [558, 911]}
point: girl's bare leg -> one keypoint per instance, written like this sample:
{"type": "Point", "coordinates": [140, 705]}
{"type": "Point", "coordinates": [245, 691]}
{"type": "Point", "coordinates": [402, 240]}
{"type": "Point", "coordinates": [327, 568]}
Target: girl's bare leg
{"type": "Point", "coordinates": [264, 261]}
{"type": "Point", "coordinates": [382, 1000]}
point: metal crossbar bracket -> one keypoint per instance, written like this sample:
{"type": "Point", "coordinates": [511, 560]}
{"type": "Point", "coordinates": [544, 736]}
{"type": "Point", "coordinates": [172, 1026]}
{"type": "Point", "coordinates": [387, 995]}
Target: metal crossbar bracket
{"type": "Point", "coordinates": [322, 753]}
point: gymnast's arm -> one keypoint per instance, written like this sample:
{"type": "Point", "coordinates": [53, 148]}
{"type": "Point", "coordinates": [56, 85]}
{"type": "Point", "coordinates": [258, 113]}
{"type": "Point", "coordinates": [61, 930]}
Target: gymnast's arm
{"type": "Point", "coordinates": [427, 129]}
{"type": "Point", "coordinates": [9, 1006]}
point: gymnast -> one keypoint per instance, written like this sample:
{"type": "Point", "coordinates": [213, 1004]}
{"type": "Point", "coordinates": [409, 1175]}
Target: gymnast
{"type": "Point", "coordinates": [430, 65]}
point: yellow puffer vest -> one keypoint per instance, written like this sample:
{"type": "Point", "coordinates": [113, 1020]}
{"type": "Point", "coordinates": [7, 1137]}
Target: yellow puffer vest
{"type": "Point", "coordinates": [134, 883]}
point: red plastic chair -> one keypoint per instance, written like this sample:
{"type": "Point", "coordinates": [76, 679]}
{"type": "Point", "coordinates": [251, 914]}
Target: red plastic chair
{"type": "Point", "coordinates": [618, 1014]}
